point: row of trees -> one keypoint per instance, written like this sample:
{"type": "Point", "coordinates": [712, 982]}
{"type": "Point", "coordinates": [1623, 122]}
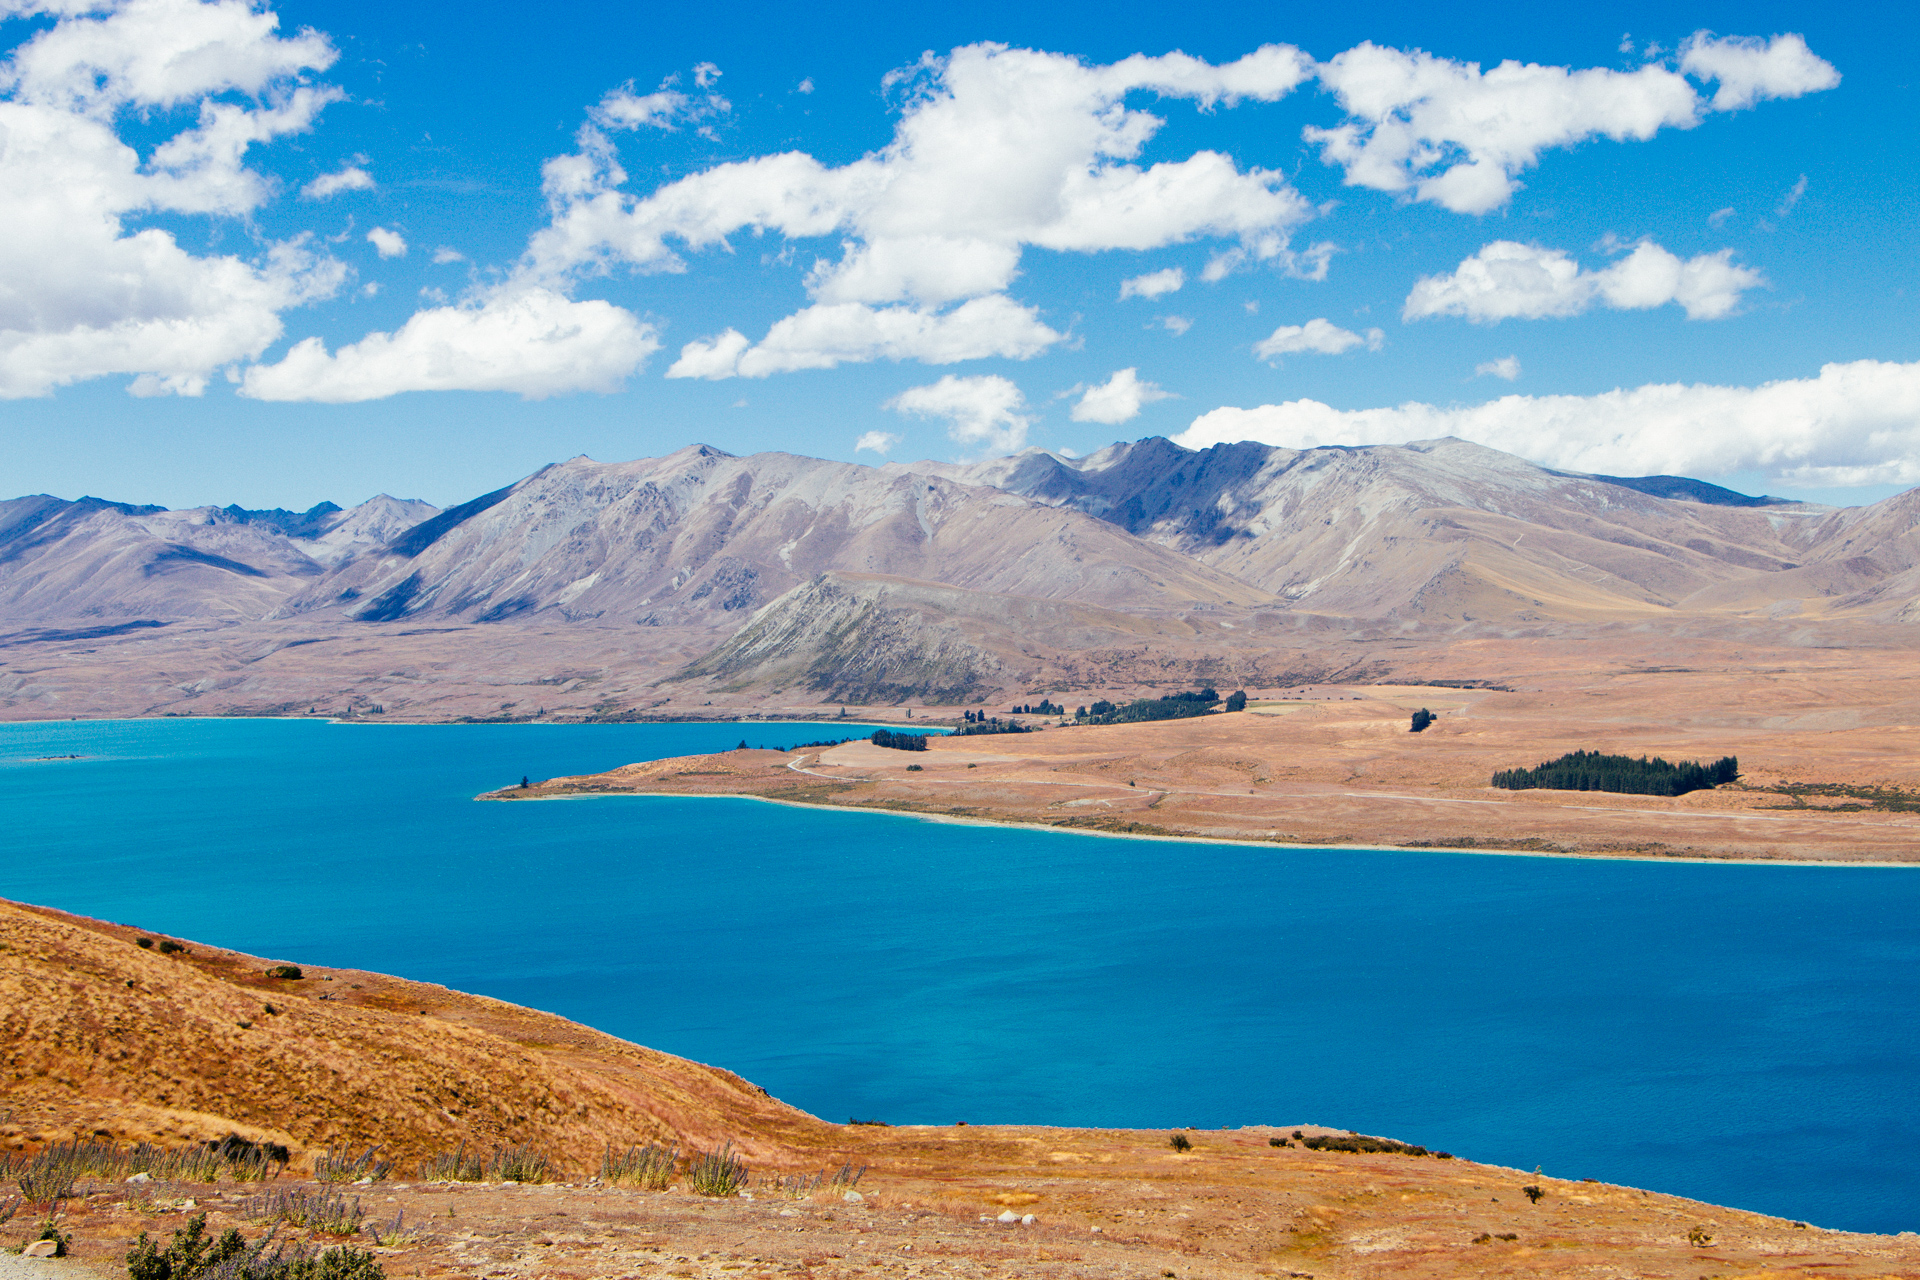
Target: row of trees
{"type": "Point", "coordinates": [1592, 771]}
{"type": "Point", "coordinates": [1178, 706]}
{"type": "Point", "coordinates": [900, 741]}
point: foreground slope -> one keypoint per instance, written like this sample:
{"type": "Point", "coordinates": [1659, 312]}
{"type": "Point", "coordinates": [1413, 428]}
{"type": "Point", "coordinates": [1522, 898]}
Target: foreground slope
{"type": "Point", "coordinates": [112, 1060]}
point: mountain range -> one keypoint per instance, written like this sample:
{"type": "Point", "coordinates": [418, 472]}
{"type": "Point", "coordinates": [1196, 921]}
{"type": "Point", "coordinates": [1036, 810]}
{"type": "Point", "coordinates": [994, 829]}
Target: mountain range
{"type": "Point", "coordinates": [941, 582]}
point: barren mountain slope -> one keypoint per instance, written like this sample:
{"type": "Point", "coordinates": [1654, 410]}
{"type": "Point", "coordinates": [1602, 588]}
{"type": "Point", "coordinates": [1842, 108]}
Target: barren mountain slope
{"type": "Point", "coordinates": [1438, 528]}
{"type": "Point", "coordinates": [701, 535]}
{"type": "Point", "coordinates": [109, 561]}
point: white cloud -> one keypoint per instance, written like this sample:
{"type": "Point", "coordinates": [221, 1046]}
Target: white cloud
{"type": "Point", "coordinates": [1855, 424]}
{"type": "Point", "coordinates": [80, 297]}
{"type": "Point", "coordinates": [351, 178]}
{"type": "Point", "coordinates": [446, 253]}
{"type": "Point", "coordinates": [1719, 216]}
{"type": "Point", "coordinates": [987, 410]}
{"type": "Point", "coordinates": [1153, 284]}
{"type": "Point", "coordinates": [1792, 197]}
{"type": "Point", "coordinates": [996, 150]}
{"type": "Point", "coordinates": [1118, 399]}
{"type": "Point", "coordinates": [664, 108]}
{"type": "Point", "coordinates": [880, 442]}
{"type": "Point", "coordinates": [535, 343]}
{"type": "Point", "coordinates": [1507, 367]}
{"type": "Point", "coordinates": [1508, 280]}
{"type": "Point", "coordinates": [822, 337]}
{"type": "Point", "coordinates": [805, 86]}
{"type": "Point", "coordinates": [1749, 69]}
{"type": "Point", "coordinates": [1176, 325]}
{"type": "Point", "coordinates": [391, 244]}
{"type": "Point", "coordinates": [1321, 337]}
{"type": "Point", "coordinates": [1456, 136]}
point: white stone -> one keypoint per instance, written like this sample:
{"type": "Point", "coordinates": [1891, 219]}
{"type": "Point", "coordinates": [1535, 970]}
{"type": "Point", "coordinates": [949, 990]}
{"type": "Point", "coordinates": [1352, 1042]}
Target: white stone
{"type": "Point", "coordinates": [41, 1249]}
{"type": "Point", "coordinates": [1008, 1215]}
{"type": "Point", "coordinates": [1028, 1221]}
{"type": "Point", "coordinates": [141, 1177]}
{"type": "Point", "coordinates": [854, 1197]}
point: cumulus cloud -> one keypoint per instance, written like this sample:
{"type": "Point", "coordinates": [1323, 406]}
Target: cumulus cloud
{"type": "Point", "coordinates": [996, 150]}
{"type": "Point", "coordinates": [665, 108]}
{"type": "Point", "coordinates": [1507, 367]}
{"type": "Point", "coordinates": [1854, 424]}
{"type": "Point", "coordinates": [1118, 399]}
{"type": "Point", "coordinates": [880, 442]}
{"type": "Point", "coordinates": [822, 337]}
{"type": "Point", "coordinates": [1153, 284]}
{"type": "Point", "coordinates": [1508, 280]}
{"type": "Point", "coordinates": [1176, 325]}
{"type": "Point", "coordinates": [351, 178]}
{"type": "Point", "coordinates": [1321, 337]}
{"type": "Point", "coordinates": [535, 343]}
{"type": "Point", "coordinates": [80, 297]}
{"type": "Point", "coordinates": [391, 244]}
{"type": "Point", "coordinates": [987, 410]}
{"type": "Point", "coordinates": [1456, 136]}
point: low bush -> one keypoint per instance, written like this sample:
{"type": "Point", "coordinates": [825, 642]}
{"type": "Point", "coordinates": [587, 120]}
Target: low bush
{"type": "Point", "coordinates": [1356, 1144]}
{"type": "Point", "coordinates": [169, 947]}
{"type": "Point", "coordinates": [1421, 719]}
{"type": "Point", "coordinates": [1180, 1142]}
{"type": "Point", "coordinates": [146, 943]}
{"type": "Point", "coordinates": [454, 1166]}
{"type": "Point", "coordinates": [716, 1173]}
{"type": "Point", "coordinates": [290, 972]}
{"type": "Point", "coordinates": [193, 1255]}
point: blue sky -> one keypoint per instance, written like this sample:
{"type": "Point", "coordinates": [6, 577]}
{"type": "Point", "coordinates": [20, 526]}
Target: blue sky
{"type": "Point", "coordinates": [1674, 238]}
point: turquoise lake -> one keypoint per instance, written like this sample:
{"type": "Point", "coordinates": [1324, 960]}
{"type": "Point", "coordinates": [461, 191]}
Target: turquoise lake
{"type": "Point", "coordinates": [1744, 1035]}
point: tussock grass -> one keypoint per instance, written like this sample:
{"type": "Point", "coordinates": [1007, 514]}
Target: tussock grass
{"type": "Point", "coordinates": [650, 1167]}
{"type": "Point", "coordinates": [508, 1164]}
{"type": "Point", "coordinates": [343, 1166]}
{"type": "Point", "coordinates": [325, 1211]}
{"type": "Point", "coordinates": [717, 1173]}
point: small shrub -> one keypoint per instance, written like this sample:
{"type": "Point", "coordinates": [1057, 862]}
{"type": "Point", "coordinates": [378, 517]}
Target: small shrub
{"type": "Point", "coordinates": [290, 972]}
{"type": "Point", "coordinates": [916, 768]}
{"type": "Point", "coordinates": [169, 947]}
{"type": "Point", "coordinates": [193, 1256]}
{"type": "Point", "coordinates": [146, 943]}
{"type": "Point", "coordinates": [650, 1167]}
{"type": "Point", "coordinates": [1533, 1193]}
{"type": "Point", "coordinates": [1421, 719]}
{"type": "Point", "coordinates": [717, 1173]}
{"type": "Point", "coordinates": [1699, 1237]}
{"type": "Point", "coordinates": [1278, 1142]}
{"type": "Point", "coordinates": [50, 1173]}
{"type": "Point", "coordinates": [50, 1230]}
{"type": "Point", "coordinates": [393, 1235]}
{"type": "Point", "coordinates": [1180, 1142]}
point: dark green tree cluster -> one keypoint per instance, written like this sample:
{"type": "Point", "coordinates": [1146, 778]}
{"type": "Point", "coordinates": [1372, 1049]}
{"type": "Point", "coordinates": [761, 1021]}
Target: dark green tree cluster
{"type": "Point", "coordinates": [981, 722]}
{"type": "Point", "coordinates": [1178, 706]}
{"type": "Point", "coordinates": [1421, 719]}
{"type": "Point", "coordinates": [1592, 771]}
{"type": "Point", "coordinates": [1040, 708]}
{"type": "Point", "coordinates": [1237, 700]}
{"type": "Point", "coordinates": [900, 741]}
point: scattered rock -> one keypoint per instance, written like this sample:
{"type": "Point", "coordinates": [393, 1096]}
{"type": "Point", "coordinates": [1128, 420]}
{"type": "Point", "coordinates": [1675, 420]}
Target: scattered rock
{"type": "Point", "coordinates": [1008, 1215]}
{"type": "Point", "coordinates": [1028, 1221]}
{"type": "Point", "coordinates": [141, 1177]}
{"type": "Point", "coordinates": [854, 1197]}
{"type": "Point", "coordinates": [41, 1249]}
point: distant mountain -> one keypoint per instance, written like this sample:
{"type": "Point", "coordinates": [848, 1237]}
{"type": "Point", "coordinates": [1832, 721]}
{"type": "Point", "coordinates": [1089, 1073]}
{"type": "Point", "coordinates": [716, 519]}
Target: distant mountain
{"type": "Point", "coordinates": [615, 585]}
{"type": "Point", "coordinates": [93, 559]}
{"type": "Point", "coordinates": [703, 538]}
{"type": "Point", "coordinates": [1440, 529]}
